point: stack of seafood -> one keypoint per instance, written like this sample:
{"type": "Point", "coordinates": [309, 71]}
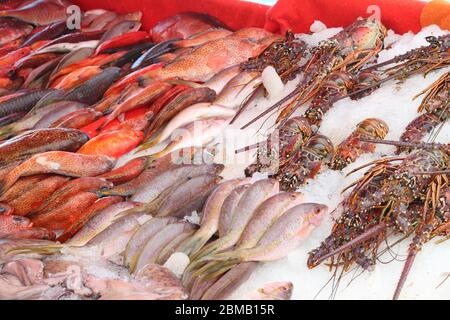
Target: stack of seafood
{"type": "Point", "coordinates": [94, 170]}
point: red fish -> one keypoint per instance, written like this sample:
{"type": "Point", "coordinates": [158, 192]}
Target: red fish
{"type": "Point", "coordinates": [93, 129]}
{"type": "Point", "coordinates": [127, 172]}
{"type": "Point", "coordinates": [33, 198]}
{"type": "Point", "coordinates": [127, 39]}
{"type": "Point", "coordinates": [141, 96]}
{"type": "Point", "coordinates": [76, 77]}
{"type": "Point", "coordinates": [67, 214]}
{"type": "Point", "coordinates": [77, 119]}
{"type": "Point", "coordinates": [183, 25]}
{"type": "Point", "coordinates": [59, 162]}
{"type": "Point", "coordinates": [112, 143]}
{"type": "Point", "coordinates": [10, 224]}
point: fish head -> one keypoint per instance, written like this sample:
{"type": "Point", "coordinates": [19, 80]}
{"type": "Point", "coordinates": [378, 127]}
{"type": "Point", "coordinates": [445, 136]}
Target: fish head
{"type": "Point", "coordinates": [315, 213]}
{"type": "Point", "coordinates": [20, 222]}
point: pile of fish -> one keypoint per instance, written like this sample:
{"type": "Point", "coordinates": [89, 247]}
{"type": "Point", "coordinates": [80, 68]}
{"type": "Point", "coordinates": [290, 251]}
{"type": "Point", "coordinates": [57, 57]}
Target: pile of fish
{"type": "Point", "coordinates": [75, 102]}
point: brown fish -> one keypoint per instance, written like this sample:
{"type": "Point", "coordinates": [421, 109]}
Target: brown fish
{"type": "Point", "coordinates": [37, 141]}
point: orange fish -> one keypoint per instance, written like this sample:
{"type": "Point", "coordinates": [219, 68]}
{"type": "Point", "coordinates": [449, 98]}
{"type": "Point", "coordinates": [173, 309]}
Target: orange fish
{"type": "Point", "coordinates": [112, 143]}
{"type": "Point", "coordinates": [59, 162]}
{"type": "Point", "coordinates": [203, 62]}
{"type": "Point", "coordinates": [100, 60]}
{"type": "Point", "coordinates": [127, 172]}
{"type": "Point", "coordinates": [76, 77]}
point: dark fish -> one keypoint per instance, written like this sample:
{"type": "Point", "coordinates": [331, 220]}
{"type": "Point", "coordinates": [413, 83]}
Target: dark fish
{"type": "Point", "coordinates": [52, 31]}
{"type": "Point", "coordinates": [22, 103]}
{"type": "Point", "coordinates": [155, 51]}
{"type": "Point", "coordinates": [132, 54]}
{"type": "Point", "coordinates": [92, 90]}
{"type": "Point", "coordinates": [37, 141]}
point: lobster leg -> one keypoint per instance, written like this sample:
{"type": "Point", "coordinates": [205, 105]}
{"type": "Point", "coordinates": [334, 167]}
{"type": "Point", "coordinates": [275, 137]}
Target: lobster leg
{"type": "Point", "coordinates": [406, 269]}
{"type": "Point", "coordinates": [372, 232]}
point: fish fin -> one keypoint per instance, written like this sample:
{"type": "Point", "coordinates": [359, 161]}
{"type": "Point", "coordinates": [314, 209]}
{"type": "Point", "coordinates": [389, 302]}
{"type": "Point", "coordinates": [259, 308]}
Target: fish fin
{"type": "Point", "coordinates": [222, 269]}
{"type": "Point", "coordinates": [148, 144]}
{"type": "Point", "coordinates": [47, 250]}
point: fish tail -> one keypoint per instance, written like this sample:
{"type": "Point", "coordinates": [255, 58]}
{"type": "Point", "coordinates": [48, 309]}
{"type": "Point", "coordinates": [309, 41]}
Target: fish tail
{"type": "Point", "coordinates": [221, 269]}
{"type": "Point", "coordinates": [148, 144]}
{"type": "Point", "coordinates": [6, 132]}
{"type": "Point", "coordinates": [47, 250]}
{"type": "Point", "coordinates": [194, 243]}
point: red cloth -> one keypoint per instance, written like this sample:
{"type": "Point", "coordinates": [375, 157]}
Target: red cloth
{"type": "Point", "coordinates": [298, 15]}
{"type": "Point", "coordinates": [234, 13]}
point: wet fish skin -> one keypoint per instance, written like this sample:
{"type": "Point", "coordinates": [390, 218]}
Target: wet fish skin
{"type": "Point", "coordinates": [197, 133]}
{"type": "Point", "coordinates": [83, 217]}
{"type": "Point", "coordinates": [100, 222]}
{"type": "Point", "coordinates": [115, 237]}
{"type": "Point", "coordinates": [38, 141]}
{"type": "Point", "coordinates": [140, 238]}
{"type": "Point", "coordinates": [6, 209]}
{"type": "Point", "coordinates": [179, 103]}
{"type": "Point", "coordinates": [230, 281]}
{"type": "Point", "coordinates": [52, 31]}
{"type": "Point", "coordinates": [196, 112]}
{"type": "Point", "coordinates": [150, 252]}
{"type": "Point", "coordinates": [59, 162]}
{"type": "Point", "coordinates": [21, 186]}
{"type": "Point", "coordinates": [253, 197]}
{"type": "Point", "coordinates": [171, 248]}
{"type": "Point", "coordinates": [34, 197]}
{"type": "Point", "coordinates": [188, 196]}
{"type": "Point", "coordinates": [282, 237]}
{"type": "Point", "coordinates": [62, 217]}
{"type": "Point", "coordinates": [210, 216]}
{"type": "Point", "coordinates": [149, 192]}
{"type": "Point", "coordinates": [38, 13]}
{"type": "Point", "coordinates": [22, 103]}
{"type": "Point", "coordinates": [228, 209]}
{"type": "Point", "coordinates": [11, 223]}
{"type": "Point", "coordinates": [266, 215]}
{"type": "Point", "coordinates": [60, 109]}
{"type": "Point", "coordinates": [77, 119]}
{"type": "Point", "coordinates": [92, 90]}
{"type": "Point", "coordinates": [127, 172]}
{"type": "Point", "coordinates": [83, 184]}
